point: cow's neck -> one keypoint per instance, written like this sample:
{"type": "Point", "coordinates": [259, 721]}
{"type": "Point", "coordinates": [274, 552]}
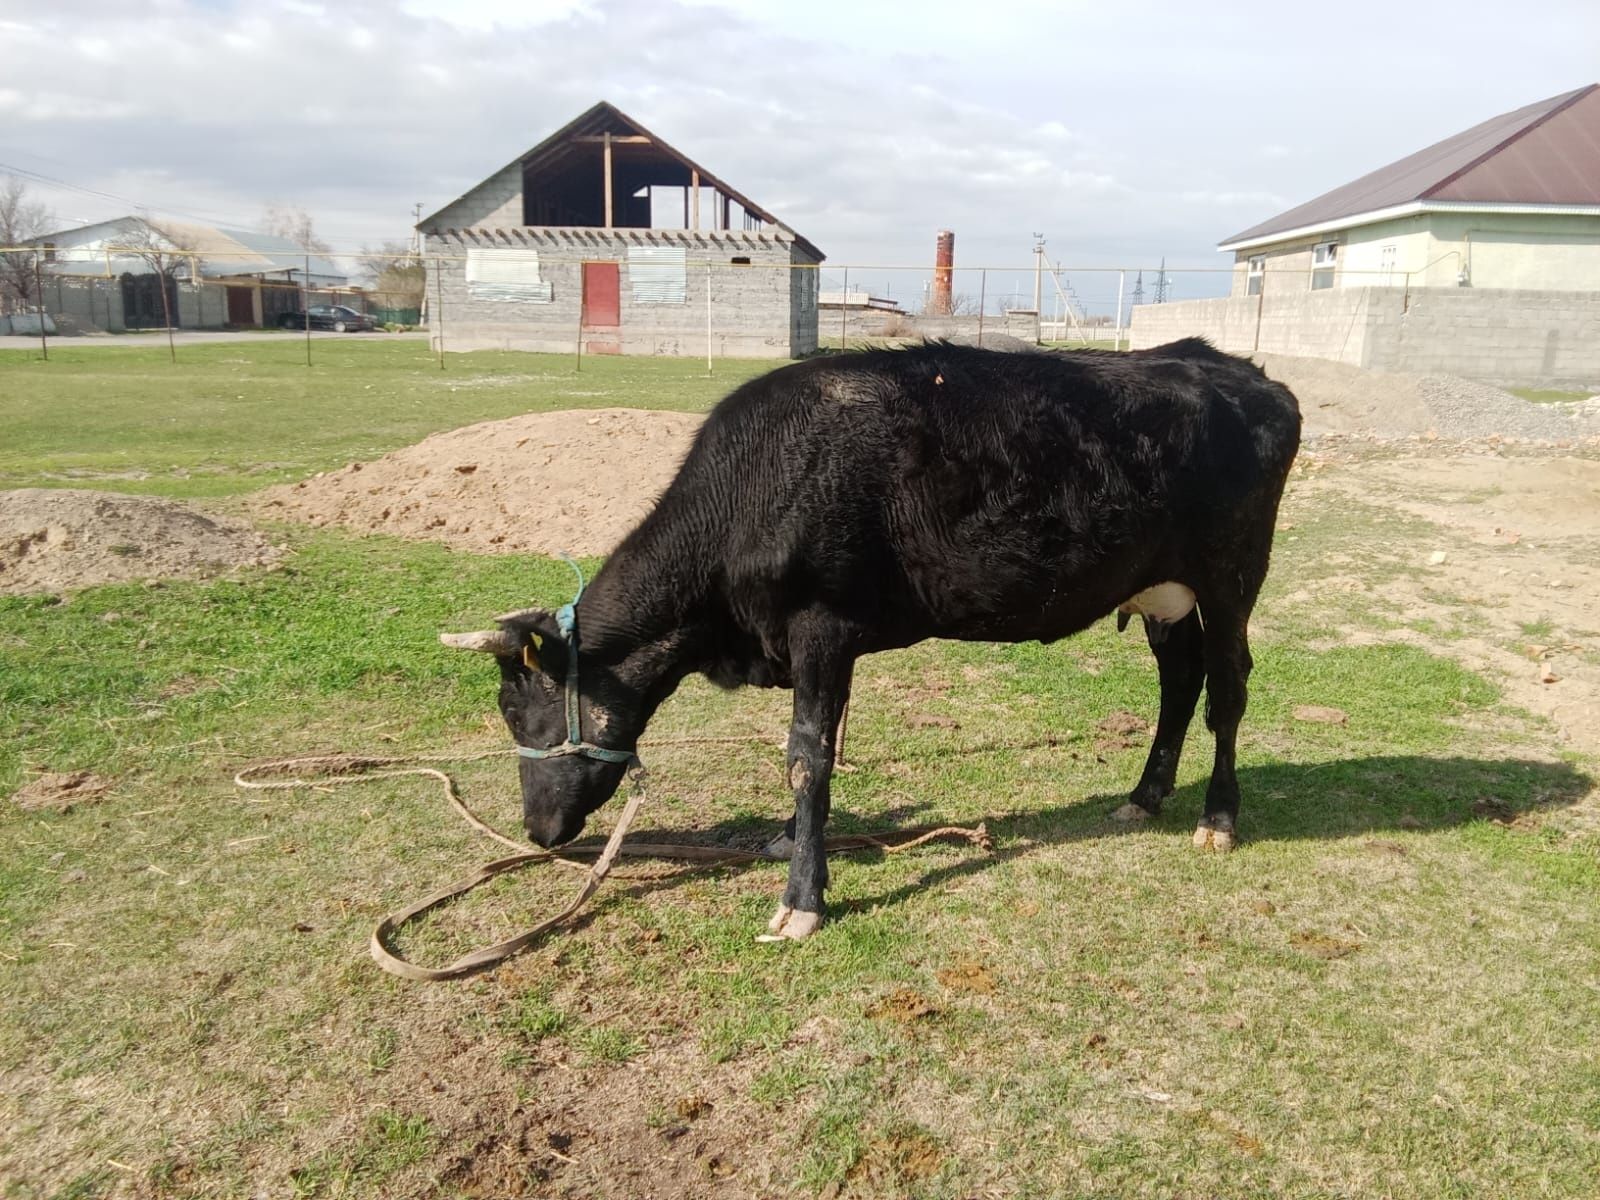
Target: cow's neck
{"type": "Point", "coordinates": [642, 618]}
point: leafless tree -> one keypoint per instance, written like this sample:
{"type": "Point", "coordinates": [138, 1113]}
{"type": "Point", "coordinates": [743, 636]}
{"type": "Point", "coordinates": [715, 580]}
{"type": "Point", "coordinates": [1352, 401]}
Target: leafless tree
{"type": "Point", "coordinates": [962, 304]}
{"type": "Point", "coordinates": [21, 221]}
{"type": "Point", "coordinates": [169, 252]}
{"type": "Point", "coordinates": [286, 221]}
{"type": "Point", "coordinates": [395, 274]}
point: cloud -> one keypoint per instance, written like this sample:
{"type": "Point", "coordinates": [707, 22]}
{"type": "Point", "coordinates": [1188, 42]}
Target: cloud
{"type": "Point", "coordinates": [1124, 136]}
{"type": "Point", "coordinates": [1251, 200]}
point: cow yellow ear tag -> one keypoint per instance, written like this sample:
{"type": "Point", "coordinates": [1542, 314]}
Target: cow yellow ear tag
{"type": "Point", "coordinates": [530, 653]}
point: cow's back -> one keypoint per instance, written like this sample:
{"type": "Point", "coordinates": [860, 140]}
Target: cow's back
{"type": "Point", "coordinates": [951, 490]}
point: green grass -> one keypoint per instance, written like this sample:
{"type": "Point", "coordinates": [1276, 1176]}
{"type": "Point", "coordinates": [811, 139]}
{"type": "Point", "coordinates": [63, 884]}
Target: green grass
{"type": "Point", "coordinates": [1549, 395]}
{"type": "Point", "coordinates": [1376, 943]}
{"type": "Point", "coordinates": [232, 417]}
{"type": "Point", "coordinates": [1388, 989]}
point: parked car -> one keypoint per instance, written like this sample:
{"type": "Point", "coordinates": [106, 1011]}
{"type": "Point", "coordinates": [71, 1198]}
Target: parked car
{"type": "Point", "coordinates": [328, 316]}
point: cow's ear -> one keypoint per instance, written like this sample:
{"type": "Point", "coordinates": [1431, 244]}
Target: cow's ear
{"type": "Point", "coordinates": [530, 651]}
{"type": "Point", "coordinates": [540, 647]}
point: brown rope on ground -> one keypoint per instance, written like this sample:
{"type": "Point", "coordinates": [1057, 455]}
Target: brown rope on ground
{"type": "Point", "coordinates": [323, 772]}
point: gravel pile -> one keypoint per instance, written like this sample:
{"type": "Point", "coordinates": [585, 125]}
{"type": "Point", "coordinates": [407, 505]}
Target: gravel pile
{"type": "Point", "coordinates": [1339, 399]}
{"type": "Point", "coordinates": [1463, 409]}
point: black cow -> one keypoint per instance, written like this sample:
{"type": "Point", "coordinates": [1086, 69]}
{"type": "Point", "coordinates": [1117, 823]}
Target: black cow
{"type": "Point", "coordinates": [846, 505]}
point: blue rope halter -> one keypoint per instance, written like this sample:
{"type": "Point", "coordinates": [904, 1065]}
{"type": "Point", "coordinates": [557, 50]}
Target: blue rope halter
{"type": "Point", "coordinates": [567, 623]}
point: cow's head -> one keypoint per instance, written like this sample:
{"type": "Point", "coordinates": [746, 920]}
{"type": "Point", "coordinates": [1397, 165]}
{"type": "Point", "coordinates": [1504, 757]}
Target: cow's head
{"type": "Point", "coordinates": [535, 657]}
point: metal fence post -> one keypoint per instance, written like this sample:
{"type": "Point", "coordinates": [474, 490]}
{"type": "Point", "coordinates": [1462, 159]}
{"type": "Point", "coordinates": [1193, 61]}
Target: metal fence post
{"type": "Point", "coordinates": [166, 304]}
{"type": "Point", "coordinates": [844, 312]}
{"type": "Point", "coordinates": [38, 286]}
{"type": "Point", "coordinates": [1116, 340]}
{"type": "Point", "coordinates": [983, 301]}
{"type": "Point", "coordinates": [438, 303]}
{"type": "Point", "coordinates": [305, 306]}
{"type": "Point", "coordinates": [1261, 299]}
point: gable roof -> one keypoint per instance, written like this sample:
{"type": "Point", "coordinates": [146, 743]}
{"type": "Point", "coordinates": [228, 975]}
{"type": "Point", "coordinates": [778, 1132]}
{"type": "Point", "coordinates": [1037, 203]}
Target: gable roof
{"type": "Point", "coordinates": [603, 118]}
{"type": "Point", "coordinates": [1546, 153]}
{"type": "Point", "coordinates": [220, 251]}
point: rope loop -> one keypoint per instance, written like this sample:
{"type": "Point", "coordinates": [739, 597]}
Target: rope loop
{"type": "Point", "coordinates": [327, 771]}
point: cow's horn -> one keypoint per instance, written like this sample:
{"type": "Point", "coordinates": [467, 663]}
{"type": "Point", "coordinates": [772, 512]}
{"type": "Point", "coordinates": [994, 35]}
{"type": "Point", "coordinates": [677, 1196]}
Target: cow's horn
{"type": "Point", "coordinates": [490, 641]}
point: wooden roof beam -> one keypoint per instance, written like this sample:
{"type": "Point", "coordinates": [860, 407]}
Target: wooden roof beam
{"type": "Point", "coordinates": [616, 139]}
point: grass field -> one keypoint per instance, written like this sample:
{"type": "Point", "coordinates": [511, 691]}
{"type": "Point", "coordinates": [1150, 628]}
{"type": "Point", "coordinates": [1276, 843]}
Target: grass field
{"type": "Point", "coordinates": [1389, 989]}
{"type": "Point", "coordinates": [234, 417]}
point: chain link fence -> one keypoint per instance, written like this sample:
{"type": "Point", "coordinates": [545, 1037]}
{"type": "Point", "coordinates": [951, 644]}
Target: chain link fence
{"type": "Point", "coordinates": [641, 298]}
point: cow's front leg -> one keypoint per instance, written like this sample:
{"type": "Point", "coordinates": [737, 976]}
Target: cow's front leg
{"type": "Point", "coordinates": [782, 846]}
{"type": "Point", "coordinates": [822, 684]}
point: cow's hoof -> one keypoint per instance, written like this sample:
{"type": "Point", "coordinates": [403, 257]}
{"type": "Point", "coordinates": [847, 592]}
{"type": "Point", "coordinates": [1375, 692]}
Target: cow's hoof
{"type": "Point", "coordinates": [781, 846]}
{"type": "Point", "coordinates": [1214, 833]}
{"type": "Point", "coordinates": [1132, 814]}
{"type": "Point", "coordinates": [790, 925]}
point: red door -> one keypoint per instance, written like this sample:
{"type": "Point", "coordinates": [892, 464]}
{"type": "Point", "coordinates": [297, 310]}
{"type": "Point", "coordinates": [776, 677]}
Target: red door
{"type": "Point", "coordinates": [602, 295]}
{"type": "Point", "coordinates": [241, 306]}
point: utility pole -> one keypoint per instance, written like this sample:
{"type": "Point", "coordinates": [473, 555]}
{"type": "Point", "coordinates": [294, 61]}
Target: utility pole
{"type": "Point", "coordinates": [1161, 282]}
{"type": "Point", "coordinates": [1038, 272]}
{"type": "Point", "coordinates": [416, 234]}
{"type": "Point", "coordinates": [1138, 290]}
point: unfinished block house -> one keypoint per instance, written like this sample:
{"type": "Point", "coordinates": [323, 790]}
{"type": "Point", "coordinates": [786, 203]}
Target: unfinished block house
{"type": "Point", "coordinates": [606, 237]}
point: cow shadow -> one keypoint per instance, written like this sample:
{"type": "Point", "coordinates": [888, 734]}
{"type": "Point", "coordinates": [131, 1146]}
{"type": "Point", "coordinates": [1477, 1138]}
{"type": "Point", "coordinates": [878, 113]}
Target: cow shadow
{"type": "Point", "coordinates": [1339, 798]}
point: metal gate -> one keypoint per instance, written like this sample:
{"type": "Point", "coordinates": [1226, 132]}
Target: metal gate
{"type": "Point", "coordinates": [141, 301]}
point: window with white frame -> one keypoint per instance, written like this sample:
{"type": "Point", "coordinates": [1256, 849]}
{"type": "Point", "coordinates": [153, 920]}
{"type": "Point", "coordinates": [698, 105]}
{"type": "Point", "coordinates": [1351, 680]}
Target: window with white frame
{"type": "Point", "coordinates": [1255, 273]}
{"type": "Point", "coordinates": [1324, 258]}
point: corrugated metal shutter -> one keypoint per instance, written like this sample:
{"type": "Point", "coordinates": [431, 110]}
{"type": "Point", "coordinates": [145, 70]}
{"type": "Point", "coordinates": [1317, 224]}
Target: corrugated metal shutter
{"type": "Point", "coordinates": [657, 274]}
{"type": "Point", "coordinates": [511, 275]}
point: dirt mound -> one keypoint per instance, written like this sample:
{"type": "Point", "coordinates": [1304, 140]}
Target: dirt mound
{"type": "Point", "coordinates": [69, 538]}
{"type": "Point", "coordinates": [543, 483]}
{"type": "Point", "coordinates": [1336, 398]}
{"type": "Point", "coordinates": [578, 481]}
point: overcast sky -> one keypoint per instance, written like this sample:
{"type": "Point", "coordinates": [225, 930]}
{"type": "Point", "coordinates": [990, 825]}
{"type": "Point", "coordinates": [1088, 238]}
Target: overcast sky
{"type": "Point", "coordinates": [1123, 130]}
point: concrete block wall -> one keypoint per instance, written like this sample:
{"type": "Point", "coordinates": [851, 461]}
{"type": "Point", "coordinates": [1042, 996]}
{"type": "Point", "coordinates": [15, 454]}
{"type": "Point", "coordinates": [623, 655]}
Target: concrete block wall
{"type": "Point", "coordinates": [869, 323]}
{"type": "Point", "coordinates": [1527, 338]}
{"type": "Point", "coordinates": [1522, 337]}
{"type": "Point", "coordinates": [805, 285]}
{"type": "Point", "coordinates": [84, 304]}
{"type": "Point", "coordinates": [1330, 324]}
{"type": "Point", "coordinates": [202, 306]}
{"type": "Point", "coordinates": [496, 203]}
{"type": "Point", "coordinates": [751, 312]}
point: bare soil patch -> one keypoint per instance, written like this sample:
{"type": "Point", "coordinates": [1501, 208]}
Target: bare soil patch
{"type": "Point", "coordinates": [59, 792]}
{"type": "Point", "coordinates": [546, 483]}
{"type": "Point", "coordinates": [53, 539]}
{"type": "Point", "coordinates": [1504, 582]}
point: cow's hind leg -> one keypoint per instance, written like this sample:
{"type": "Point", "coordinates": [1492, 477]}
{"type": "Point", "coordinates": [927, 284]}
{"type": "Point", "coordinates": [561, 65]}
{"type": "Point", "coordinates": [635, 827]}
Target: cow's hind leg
{"type": "Point", "coordinates": [821, 687]}
{"type": "Point", "coordinates": [1180, 657]}
{"type": "Point", "coordinates": [1228, 663]}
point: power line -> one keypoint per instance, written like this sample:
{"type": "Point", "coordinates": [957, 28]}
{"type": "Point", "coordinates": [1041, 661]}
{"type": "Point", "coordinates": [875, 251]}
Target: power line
{"type": "Point", "coordinates": [52, 181]}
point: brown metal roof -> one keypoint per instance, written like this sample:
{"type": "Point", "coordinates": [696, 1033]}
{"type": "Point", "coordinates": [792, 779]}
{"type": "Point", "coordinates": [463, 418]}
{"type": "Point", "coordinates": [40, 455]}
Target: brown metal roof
{"type": "Point", "coordinates": [557, 149]}
{"type": "Point", "coordinates": [1544, 153]}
